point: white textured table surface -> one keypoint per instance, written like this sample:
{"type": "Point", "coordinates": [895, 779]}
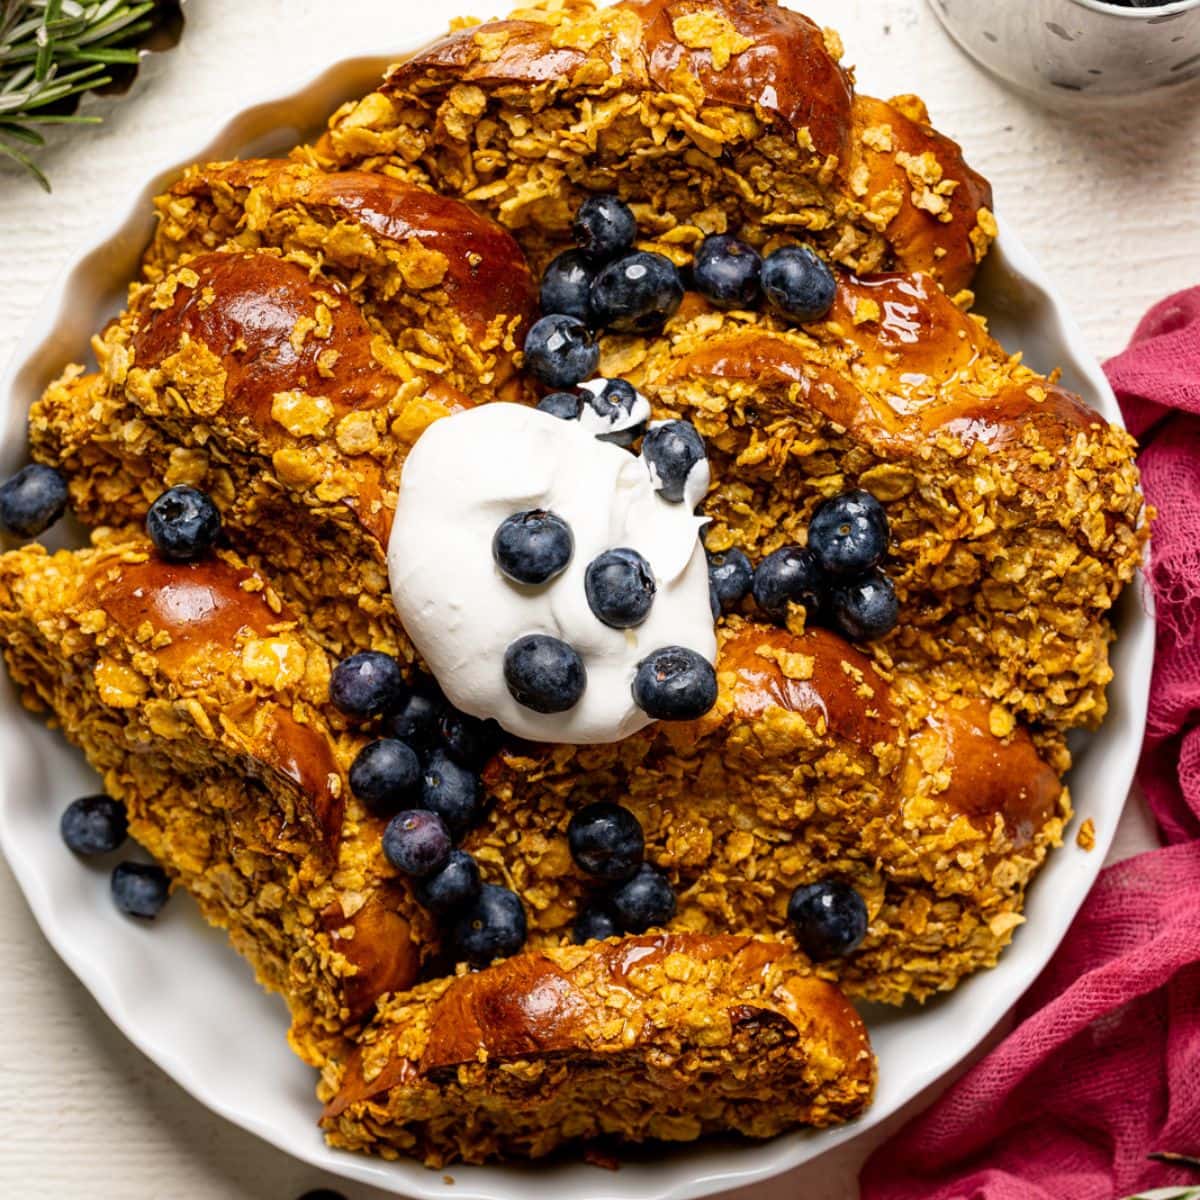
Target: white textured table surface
{"type": "Point", "coordinates": [1108, 201]}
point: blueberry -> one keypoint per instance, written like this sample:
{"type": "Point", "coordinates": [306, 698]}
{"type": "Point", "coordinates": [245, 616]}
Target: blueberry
{"type": "Point", "coordinates": [544, 674]}
{"type": "Point", "coordinates": [492, 927]}
{"type": "Point", "coordinates": [636, 294]}
{"type": "Point", "coordinates": [798, 283]}
{"type": "Point", "coordinates": [183, 524]}
{"type": "Point", "coordinates": [385, 775]}
{"type": "Point", "coordinates": [673, 449]}
{"type": "Point", "coordinates": [714, 600]}
{"type": "Point", "coordinates": [139, 889]}
{"type": "Point", "coordinates": [452, 792]}
{"type": "Point", "coordinates": [566, 406]}
{"type": "Point", "coordinates": [644, 901]}
{"type": "Point", "coordinates": [469, 740]}
{"type": "Point", "coordinates": [727, 272]}
{"type": "Point", "coordinates": [32, 500]}
{"type": "Point", "coordinates": [415, 720]}
{"type": "Point", "coordinates": [616, 401]}
{"type": "Point", "coordinates": [453, 887]}
{"type": "Point", "coordinates": [533, 547]}
{"type": "Point", "coordinates": [417, 843]}
{"type": "Point", "coordinates": [94, 825]}
{"type": "Point", "coordinates": [829, 919]}
{"type": "Point", "coordinates": [791, 573]}
{"type": "Point", "coordinates": [849, 534]}
{"type": "Point", "coordinates": [604, 228]}
{"type": "Point", "coordinates": [594, 924]}
{"type": "Point", "coordinates": [366, 684]}
{"type": "Point", "coordinates": [620, 587]}
{"type": "Point", "coordinates": [567, 286]}
{"type": "Point", "coordinates": [606, 840]}
{"type": "Point", "coordinates": [560, 351]}
{"type": "Point", "coordinates": [675, 684]}
{"type": "Point", "coordinates": [731, 576]}
{"type": "Point", "coordinates": [865, 608]}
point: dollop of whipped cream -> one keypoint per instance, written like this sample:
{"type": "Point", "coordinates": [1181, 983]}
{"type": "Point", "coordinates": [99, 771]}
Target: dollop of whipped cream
{"type": "Point", "coordinates": [466, 474]}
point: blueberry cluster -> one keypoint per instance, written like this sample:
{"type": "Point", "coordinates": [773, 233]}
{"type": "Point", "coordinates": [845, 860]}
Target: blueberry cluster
{"type": "Point", "coordinates": [607, 843]}
{"type": "Point", "coordinates": [545, 673]}
{"type": "Point", "coordinates": [97, 825]}
{"type": "Point", "coordinates": [795, 281]}
{"type": "Point", "coordinates": [424, 776]}
{"type": "Point", "coordinates": [602, 284]}
{"type": "Point", "coordinates": [836, 577]}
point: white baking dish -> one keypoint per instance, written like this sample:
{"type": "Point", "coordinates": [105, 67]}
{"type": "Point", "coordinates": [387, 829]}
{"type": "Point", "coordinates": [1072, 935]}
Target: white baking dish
{"type": "Point", "coordinates": [187, 1001]}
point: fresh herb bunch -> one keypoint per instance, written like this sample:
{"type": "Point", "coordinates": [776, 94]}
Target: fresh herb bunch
{"type": "Point", "coordinates": [50, 52]}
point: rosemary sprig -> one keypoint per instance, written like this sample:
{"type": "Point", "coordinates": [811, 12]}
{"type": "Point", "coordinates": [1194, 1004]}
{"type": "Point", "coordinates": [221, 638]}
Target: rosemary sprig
{"type": "Point", "coordinates": [52, 51]}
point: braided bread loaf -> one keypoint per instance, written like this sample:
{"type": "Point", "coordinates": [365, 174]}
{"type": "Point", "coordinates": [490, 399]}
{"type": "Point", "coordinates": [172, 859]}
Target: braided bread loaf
{"type": "Point", "coordinates": [297, 327]}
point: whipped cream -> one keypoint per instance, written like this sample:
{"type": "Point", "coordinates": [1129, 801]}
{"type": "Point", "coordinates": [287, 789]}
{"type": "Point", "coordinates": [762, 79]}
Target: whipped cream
{"type": "Point", "coordinates": [465, 475]}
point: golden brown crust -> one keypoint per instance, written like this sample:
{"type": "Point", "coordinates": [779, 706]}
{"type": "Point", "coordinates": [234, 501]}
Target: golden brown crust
{"type": "Point", "coordinates": [696, 108]}
{"type": "Point", "coordinates": [682, 1033]}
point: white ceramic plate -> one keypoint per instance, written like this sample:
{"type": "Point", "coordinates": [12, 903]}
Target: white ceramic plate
{"type": "Point", "coordinates": [187, 1001]}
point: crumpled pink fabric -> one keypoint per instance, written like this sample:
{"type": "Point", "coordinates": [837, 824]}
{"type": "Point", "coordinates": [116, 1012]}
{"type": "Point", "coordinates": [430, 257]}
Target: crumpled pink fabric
{"type": "Point", "coordinates": [1103, 1065]}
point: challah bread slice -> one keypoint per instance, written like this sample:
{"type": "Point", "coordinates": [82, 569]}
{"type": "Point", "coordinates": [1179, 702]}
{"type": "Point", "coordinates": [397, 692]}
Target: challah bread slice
{"type": "Point", "coordinates": [664, 1037]}
{"type": "Point", "coordinates": [1015, 510]}
{"type": "Point", "coordinates": [812, 766]}
{"type": "Point", "coordinates": [200, 700]}
{"type": "Point", "coordinates": [289, 382]}
{"type": "Point", "coordinates": [705, 115]}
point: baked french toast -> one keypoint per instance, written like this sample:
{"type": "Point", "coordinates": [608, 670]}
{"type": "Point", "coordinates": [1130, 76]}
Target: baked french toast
{"type": "Point", "coordinates": [857, 805]}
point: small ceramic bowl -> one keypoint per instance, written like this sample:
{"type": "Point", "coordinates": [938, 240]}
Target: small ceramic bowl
{"type": "Point", "coordinates": [1085, 49]}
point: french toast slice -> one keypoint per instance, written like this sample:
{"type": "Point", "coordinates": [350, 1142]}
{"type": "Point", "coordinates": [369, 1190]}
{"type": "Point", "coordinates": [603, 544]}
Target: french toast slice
{"type": "Point", "coordinates": [664, 1037]}
{"type": "Point", "coordinates": [704, 115]}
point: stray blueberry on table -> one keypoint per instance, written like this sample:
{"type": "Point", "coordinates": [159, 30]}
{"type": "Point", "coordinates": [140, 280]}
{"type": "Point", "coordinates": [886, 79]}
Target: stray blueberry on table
{"type": "Point", "coordinates": [606, 840]}
{"type": "Point", "coordinates": [799, 283]}
{"type": "Point", "coordinates": [544, 673]}
{"type": "Point", "coordinates": [32, 500]}
{"type": "Point", "coordinates": [615, 401]}
{"type": "Point", "coordinates": [673, 449]}
{"type": "Point", "coordinates": [866, 608]}
{"type": "Point", "coordinates": [451, 888]}
{"type": "Point", "coordinates": [790, 574]}
{"type": "Point", "coordinates": [560, 351]}
{"type": "Point", "coordinates": [366, 684]}
{"type": "Point", "coordinates": [731, 575]}
{"type": "Point", "coordinates": [604, 228]}
{"type": "Point", "coordinates": [417, 843]}
{"type": "Point", "coordinates": [492, 926]}
{"type": "Point", "coordinates": [620, 587]}
{"type": "Point", "coordinates": [453, 792]}
{"type": "Point", "coordinates": [139, 889]}
{"type": "Point", "coordinates": [727, 272]}
{"type": "Point", "coordinates": [469, 740]}
{"type": "Point", "coordinates": [675, 684]}
{"type": "Point", "coordinates": [594, 924]}
{"type": "Point", "coordinates": [94, 825]}
{"type": "Point", "coordinates": [636, 294]}
{"type": "Point", "coordinates": [183, 523]}
{"type": "Point", "coordinates": [829, 919]}
{"type": "Point", "coordinates": [385, 775]}
{"type": "Point", "coordinates": [566, 406]}
{"type": "Point", "coordinates": [533, 547]}
{"type": "Point", "coordinates": [415, 719]}
{"type": "Point", "coordinates": [849, 534]}
{"type": "Point", "coordinates": [644, 901]}
{"type": "Point", "coordinates": [567, 286]}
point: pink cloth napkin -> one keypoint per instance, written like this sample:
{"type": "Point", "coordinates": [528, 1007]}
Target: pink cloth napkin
{"type": "Point", "coordinates": [1103, 1065]}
